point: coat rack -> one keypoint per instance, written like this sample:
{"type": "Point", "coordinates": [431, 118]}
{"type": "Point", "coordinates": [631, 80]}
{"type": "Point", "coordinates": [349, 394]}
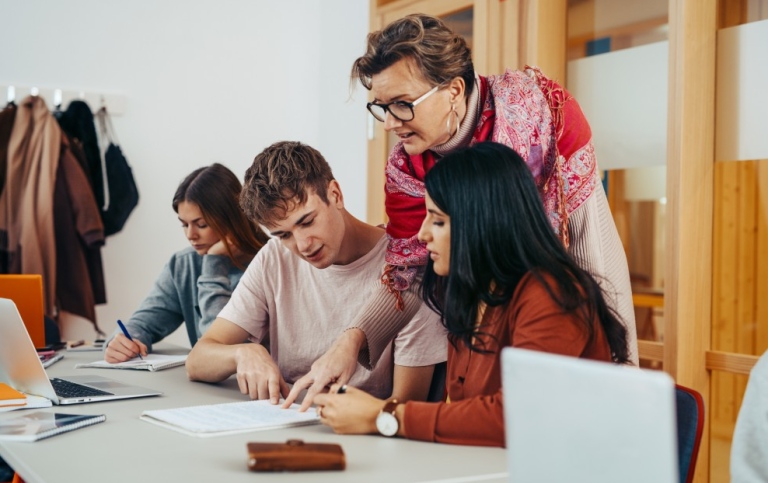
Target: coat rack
{"type": "Point", "coordinates": [115, 103]}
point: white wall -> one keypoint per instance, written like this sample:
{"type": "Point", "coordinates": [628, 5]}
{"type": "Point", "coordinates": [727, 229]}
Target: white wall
{"type": "Point", "coordinates": [203, 82]}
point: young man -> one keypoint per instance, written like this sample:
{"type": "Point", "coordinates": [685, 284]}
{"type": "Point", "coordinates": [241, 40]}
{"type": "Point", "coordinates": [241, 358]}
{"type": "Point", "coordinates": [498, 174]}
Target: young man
{"type": "Point", "coordinates": [305, 286]}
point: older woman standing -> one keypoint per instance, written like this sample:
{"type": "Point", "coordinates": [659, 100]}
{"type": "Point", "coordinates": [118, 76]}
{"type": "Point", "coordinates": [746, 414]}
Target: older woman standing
{"type": "Point", "coordinates": [426, 91]}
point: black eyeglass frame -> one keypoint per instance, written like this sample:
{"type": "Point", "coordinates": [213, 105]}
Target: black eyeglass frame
{"type": "Point", "coordinates": [409, 105]}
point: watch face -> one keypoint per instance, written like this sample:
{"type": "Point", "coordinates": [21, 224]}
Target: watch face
{"type": "Point", "coordinates": [387, 424]}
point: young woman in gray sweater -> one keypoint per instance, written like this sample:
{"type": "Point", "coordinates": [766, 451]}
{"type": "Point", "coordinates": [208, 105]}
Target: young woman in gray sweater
{"type": "Point", "coordinates": [197, 282]}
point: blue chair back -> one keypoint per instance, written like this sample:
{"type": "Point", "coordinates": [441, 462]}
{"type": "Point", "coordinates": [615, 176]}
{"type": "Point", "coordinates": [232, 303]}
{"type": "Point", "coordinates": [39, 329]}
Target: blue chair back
{"type": "Point", "coordinates": [437, 387]}
{"type": "Point", "coordinates": [690, 423]}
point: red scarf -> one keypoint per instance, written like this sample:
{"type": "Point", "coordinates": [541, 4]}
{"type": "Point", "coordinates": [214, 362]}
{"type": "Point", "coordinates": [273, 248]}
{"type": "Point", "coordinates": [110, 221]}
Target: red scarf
{"type": "Point", "coordinates": [524, 110]}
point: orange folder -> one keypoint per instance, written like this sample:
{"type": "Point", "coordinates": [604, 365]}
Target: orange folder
{"type": "Point", "coordinates": [11, 397]}
{"type": "Point", "coordinates": [26, 291]}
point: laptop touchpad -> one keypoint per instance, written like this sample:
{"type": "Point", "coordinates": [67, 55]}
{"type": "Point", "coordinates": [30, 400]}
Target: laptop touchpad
{"type": "Point", "coordinates": [106, 384]}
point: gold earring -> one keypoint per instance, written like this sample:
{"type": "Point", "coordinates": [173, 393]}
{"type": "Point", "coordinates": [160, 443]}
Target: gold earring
{"type": "Point", "coordinates": [452, 131]}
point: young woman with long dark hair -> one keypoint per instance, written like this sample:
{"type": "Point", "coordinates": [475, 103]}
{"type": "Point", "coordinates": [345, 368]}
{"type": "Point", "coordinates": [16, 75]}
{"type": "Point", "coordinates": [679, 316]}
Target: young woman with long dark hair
{"type": "Point", "coordinates": [198, 281]}
{"type": "Point", "coordinates": [499, 276]}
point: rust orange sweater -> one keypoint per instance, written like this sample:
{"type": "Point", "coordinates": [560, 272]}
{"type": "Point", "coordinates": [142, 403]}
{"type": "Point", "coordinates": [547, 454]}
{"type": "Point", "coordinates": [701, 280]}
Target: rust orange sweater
{"type": "Point", "coordinates": [474, 415]}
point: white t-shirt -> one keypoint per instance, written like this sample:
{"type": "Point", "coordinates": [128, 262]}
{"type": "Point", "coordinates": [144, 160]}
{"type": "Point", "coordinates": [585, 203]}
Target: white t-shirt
{"type": "Point", "coordinates": [301, 310]}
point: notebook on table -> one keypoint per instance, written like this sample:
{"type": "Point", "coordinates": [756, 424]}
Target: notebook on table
{"type": "Point", "coordinates": [20, 368]}
{"type": "Point", "coordinates": [40, 425]}
{"type": "Point", "coordinates": [230, 418]}
{"type": "Point", "coordinates": [11, 397]}
{"type": "Point", "coordinates": [569, 419]}
{"type": "Point", "coordinates": [150, 362]}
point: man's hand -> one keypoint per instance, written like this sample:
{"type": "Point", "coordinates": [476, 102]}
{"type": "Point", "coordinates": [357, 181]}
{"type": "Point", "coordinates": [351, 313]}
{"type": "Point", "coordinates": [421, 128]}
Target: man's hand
{"type": "Point", "coordinates": [121, 349]}
{"type": "Point", "coordinates": [337, 365]}
{"type": "Point", "coordinates": [258, 375]}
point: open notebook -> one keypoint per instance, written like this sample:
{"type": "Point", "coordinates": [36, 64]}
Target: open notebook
{"type": "Point", "coordinates": [230, 418]}
{"type": "Point", "coordinates": [40, 425]}
{"type": "Point", "coordinates": [152, 362]}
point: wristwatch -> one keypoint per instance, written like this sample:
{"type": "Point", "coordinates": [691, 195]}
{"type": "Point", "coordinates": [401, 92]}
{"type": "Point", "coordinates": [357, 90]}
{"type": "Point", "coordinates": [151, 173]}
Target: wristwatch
{"type": "Point", "coordinates": [386, 421]}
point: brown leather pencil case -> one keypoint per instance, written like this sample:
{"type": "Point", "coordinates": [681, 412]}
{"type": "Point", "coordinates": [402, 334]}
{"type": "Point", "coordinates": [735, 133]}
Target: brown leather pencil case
{"type": "Point", "coordinates": [295, 455]}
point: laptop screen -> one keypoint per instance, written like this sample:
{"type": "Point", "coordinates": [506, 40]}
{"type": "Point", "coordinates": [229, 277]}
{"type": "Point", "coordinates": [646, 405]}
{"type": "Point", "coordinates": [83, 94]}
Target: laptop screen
{"type": "Point", "coordinates": [570, 419]}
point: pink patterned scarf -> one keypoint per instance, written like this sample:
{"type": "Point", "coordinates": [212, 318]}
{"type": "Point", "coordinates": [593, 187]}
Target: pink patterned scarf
{"type": "Point", "coordinates": [524, 110]}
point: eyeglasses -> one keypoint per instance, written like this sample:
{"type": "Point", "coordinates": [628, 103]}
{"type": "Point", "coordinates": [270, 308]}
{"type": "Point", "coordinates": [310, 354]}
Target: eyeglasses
{"type": "Point", "coordinates": [400, 110]}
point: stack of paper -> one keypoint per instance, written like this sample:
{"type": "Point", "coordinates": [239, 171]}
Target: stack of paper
{"type": "Point", "coordinates": [230, 418]}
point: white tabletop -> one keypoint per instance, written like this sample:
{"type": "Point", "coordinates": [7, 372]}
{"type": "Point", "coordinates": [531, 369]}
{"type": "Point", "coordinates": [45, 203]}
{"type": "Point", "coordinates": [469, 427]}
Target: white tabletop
{"type": "Point", "coordinates": [126, 449]}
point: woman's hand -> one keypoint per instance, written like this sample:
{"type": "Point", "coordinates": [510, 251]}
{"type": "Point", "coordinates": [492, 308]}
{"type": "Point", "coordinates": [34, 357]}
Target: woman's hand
{"type": "Point", "coordinates": [120, 349]}
{"type": "Point", "coordinates": [352, 412]}
{"type": "Point", "coordinates": [220, 248]}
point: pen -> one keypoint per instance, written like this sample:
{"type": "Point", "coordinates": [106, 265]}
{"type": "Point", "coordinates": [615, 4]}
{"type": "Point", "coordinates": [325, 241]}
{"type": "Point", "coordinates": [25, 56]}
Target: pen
{"type": "Point", "coordinates": [48, 362]}
{"type": "Point", "coordinates": [125, 332]}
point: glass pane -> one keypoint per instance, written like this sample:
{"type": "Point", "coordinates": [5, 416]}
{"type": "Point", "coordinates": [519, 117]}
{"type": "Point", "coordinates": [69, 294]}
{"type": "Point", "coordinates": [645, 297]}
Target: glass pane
{"type": "Point", "coordinates": [599, 26]}
{"type": "Point", "coordinates": [739, 12]}
{"type": "Point", "coordinates": [740, 231]}
{"type": "Point", "coordinates": [624, 95]}
{"type": "Point", "coordinates": [757, 10]}
{"type": "Point", "coordinates": [461, 23]}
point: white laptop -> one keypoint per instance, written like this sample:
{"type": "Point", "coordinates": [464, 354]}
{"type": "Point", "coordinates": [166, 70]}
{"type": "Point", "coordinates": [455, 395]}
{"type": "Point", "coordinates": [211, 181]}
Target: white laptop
{"type": "Point", "coordinates": [569, 419]}
{"type": "Point", "coordinates": [20, 368]}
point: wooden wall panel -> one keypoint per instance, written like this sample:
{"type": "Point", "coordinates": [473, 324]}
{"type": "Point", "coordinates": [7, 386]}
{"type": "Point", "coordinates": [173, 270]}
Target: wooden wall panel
{"type": "Point", "coordinates": [739, 273]}
{"type": "Point", "coordinates": [723, 294]}
{"type": "Point", "coordinates": [761, 262]}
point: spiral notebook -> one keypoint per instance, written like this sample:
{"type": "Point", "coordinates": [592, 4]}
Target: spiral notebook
{"type": "Point", "coordinates": [40, 425]}
{"type": "Point", "coordinates": [151, 362]}
{"type": "Point", "coordinates": [230, 418]}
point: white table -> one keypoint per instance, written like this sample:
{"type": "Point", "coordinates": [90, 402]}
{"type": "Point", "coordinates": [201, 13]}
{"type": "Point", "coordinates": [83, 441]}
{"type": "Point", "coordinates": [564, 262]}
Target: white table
{"type": "Point", "coordinates": [126, 449]}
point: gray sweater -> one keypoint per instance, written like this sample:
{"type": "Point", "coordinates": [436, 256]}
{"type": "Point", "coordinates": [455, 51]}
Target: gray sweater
{"type": "Point", "coordinates": [191, 289]}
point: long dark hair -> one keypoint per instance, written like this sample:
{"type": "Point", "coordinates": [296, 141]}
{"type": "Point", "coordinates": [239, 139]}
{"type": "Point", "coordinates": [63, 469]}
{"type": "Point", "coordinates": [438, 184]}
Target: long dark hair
{"type": "Point", "coordinates": [500, 232]}
{"type": "Point", "coordinates": [216, 191]}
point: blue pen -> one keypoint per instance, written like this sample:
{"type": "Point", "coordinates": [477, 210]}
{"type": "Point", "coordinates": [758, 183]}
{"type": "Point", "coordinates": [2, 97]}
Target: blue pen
{"type": "Point", "coordinates": [125, 332]}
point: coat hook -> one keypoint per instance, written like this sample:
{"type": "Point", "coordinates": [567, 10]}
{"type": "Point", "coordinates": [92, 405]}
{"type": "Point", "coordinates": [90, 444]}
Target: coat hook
{"type": "Point", "coordinates": [57, 98]}
{"type": "Point", "coordinates": [11, 95]}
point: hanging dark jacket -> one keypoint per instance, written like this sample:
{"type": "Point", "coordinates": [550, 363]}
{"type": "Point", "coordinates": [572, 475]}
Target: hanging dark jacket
{"type": "Point", "coordinates": [77, 122]}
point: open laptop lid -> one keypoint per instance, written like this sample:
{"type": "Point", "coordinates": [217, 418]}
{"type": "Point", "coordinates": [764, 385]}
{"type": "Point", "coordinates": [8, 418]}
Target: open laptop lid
{"type": "Point", "coordinates": [20, 366]}
{"type": "Point", "coordinates": [570, 419]}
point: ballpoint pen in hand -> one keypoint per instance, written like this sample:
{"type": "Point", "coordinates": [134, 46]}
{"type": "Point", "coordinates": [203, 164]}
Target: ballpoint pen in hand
{"type": "Point", "coordinates": [125, 332]}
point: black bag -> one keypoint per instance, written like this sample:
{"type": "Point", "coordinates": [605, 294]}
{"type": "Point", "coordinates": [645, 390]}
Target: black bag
{"type": "Point", "coordinates": [123, 194]}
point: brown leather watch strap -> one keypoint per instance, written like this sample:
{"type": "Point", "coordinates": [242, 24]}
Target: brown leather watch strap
{"type": "Point", "coordinates": [390, 406]}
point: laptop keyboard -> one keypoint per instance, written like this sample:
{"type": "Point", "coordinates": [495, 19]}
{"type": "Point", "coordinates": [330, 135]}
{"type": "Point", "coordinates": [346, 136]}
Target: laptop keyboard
{"type": "Point", "coordinates": [67, 389]}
